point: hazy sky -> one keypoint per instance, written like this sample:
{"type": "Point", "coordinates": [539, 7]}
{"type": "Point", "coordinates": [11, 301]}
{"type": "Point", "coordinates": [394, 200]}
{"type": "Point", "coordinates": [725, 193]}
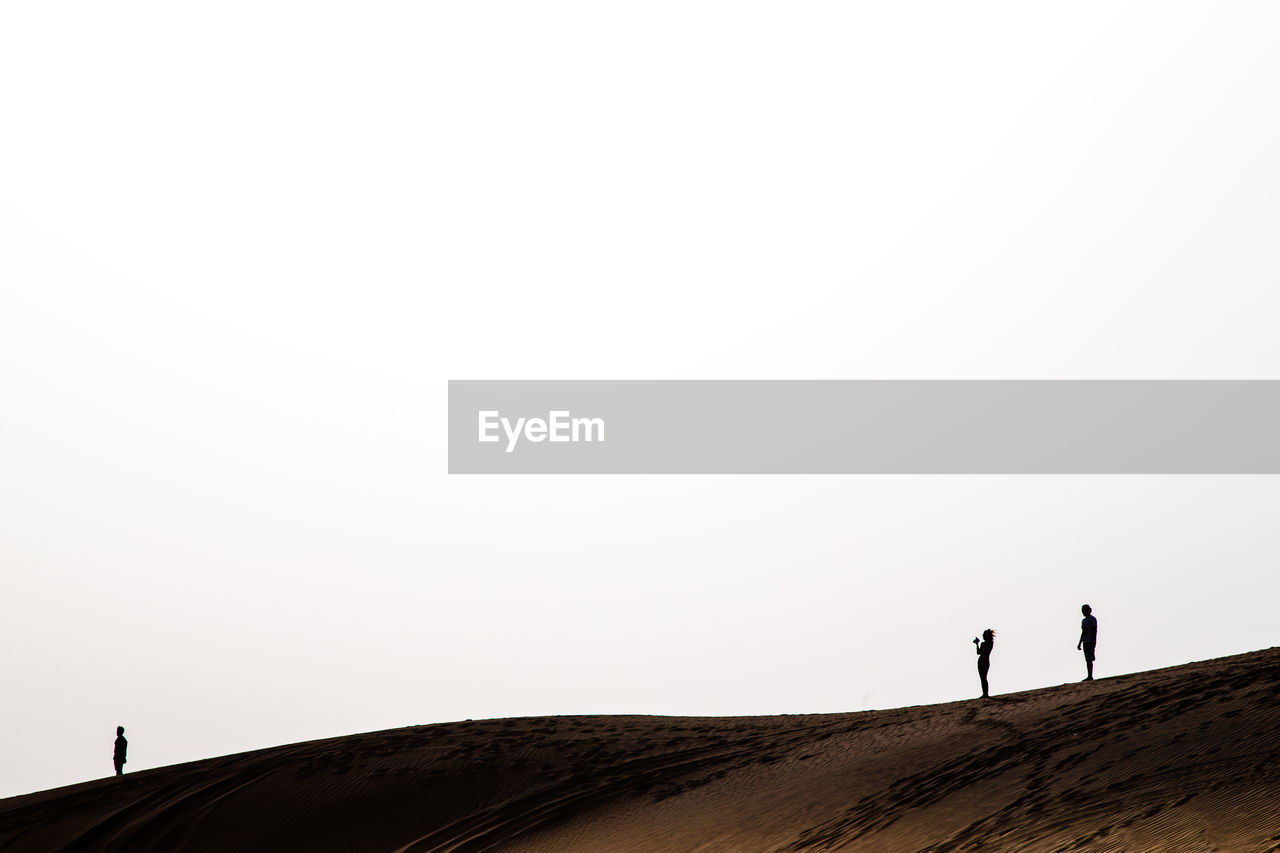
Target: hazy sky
{"type": "Point", "coordinates": [245, 245]}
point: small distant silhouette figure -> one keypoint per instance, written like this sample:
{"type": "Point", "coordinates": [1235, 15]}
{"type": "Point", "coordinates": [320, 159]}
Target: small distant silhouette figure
{"type": "Point", "coordinates": [1088, 638]}
{"type": "Point", "coordinates": [984, 658]}
{"type": "Point", "coordinates": [122, 746]}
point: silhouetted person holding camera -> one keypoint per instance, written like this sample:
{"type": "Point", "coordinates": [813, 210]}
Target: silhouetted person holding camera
{"type": "Point", "coordinates": [984, 658]}
{"type": "Point", "coordinates": [122, 746]}
{"type": "Point", "coordinates": [1088, 638]}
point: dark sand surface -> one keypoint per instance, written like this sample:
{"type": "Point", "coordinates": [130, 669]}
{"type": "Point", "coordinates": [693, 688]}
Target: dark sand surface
{"type": "Point", "coordinates": [1182, 759]}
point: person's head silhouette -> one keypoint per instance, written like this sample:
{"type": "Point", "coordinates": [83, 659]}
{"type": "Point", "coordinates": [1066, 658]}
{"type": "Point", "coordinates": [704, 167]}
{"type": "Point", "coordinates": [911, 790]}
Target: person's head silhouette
{"type": "Point", "coordinates": [988, 635]}
{"type": "Point", "coordinates": [119, 730]}
{"type": "Point", "coordinates": [1086, 609]}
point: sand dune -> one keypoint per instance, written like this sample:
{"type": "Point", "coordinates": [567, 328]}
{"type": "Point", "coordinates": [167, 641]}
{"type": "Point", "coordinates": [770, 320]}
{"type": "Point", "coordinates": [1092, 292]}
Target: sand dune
{"type": "Point", "coordinates": [1184, 759]}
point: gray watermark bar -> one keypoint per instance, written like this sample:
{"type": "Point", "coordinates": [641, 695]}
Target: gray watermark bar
{"type": "Point", "coordinates": [864, 427]}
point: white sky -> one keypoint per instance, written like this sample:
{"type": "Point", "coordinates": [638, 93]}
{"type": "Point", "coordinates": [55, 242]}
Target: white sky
{"type": "Point", "coordinates": [245, 245]}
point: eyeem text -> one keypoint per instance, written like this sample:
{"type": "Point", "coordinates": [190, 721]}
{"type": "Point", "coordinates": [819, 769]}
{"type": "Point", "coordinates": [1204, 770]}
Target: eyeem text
{"type": "Point", "coordinates": [557, 426]}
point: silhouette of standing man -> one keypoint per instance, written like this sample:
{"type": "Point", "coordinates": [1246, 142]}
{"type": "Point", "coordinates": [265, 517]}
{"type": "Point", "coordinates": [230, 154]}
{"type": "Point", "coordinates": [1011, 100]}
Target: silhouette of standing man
{"type": "Point", "coordinates": [1088, 638]}
{"type": "Point", "coordinates": [122, 746]}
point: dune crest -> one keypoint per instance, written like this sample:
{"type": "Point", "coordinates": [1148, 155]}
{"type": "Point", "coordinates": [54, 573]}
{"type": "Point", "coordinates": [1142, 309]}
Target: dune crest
{"type": "Point", "coordinates": [1185, 758]}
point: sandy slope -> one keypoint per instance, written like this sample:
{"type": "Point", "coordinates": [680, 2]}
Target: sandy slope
{"type": "Point", "coordinates": [1181, 759]}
